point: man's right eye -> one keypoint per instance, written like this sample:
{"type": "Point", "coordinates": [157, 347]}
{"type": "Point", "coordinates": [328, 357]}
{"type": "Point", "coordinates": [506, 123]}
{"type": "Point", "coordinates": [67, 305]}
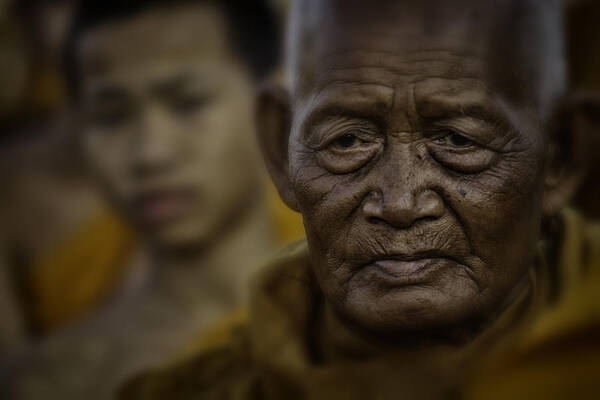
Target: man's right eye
{"type": "Point", "coordinates": [455, 140]}
{"type": "Point", "coordinates": [349, 151]}
{"type": "Point", "coordinates": [347, 141]}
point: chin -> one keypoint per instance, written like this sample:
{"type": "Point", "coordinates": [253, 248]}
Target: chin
{"type": "Point", "coordinates": [184, 236]}
{"type": "Point", "coordinates": [412, 315]}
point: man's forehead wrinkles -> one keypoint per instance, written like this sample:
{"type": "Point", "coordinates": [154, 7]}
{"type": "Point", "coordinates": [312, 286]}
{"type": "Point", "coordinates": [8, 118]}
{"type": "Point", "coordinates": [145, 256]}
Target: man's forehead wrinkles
{"type": "Point", "coordinates": [366, 99]}
{"type": "Point", "coordinates": [385, 77]}
{"type": "Point", "coordinates": [465, 95]}
{"type": "Point", "coordinates": [347, 91]}
{"type": "Point", "coordinates": [448, 88]}
{"type": "Point", "coordinates": [424, 68]}
{"type": "Point", "coordinates": [355, 60]}
{"type": "Point", "coordinates": [393, 69]}
{"type": "Point", "coordinates": [326, 84]}
{"type": "Point", "coordinates": [399, 55]}
{"type": "Point", "coordinates": [412, 115]}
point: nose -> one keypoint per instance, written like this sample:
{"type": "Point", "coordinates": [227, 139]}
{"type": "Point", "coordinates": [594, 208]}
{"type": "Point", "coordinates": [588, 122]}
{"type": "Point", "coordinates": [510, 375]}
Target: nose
{"type": "Point", "coordinates": [401, 208]}
{"type": "Point", "coordinates": [153, 146]}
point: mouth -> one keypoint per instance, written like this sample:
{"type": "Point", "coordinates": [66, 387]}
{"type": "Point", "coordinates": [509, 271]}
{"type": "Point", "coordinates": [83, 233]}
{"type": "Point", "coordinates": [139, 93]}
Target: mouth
{"type": "Point", "coordinates": [410, 268]}
{"type": "Point", "coordinates": [160, 206]}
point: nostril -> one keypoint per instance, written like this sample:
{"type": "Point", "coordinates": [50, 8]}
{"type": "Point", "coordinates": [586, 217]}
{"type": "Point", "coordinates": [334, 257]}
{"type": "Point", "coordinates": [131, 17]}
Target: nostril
{"type": "Point", "coordinates": [372, 208]}
{"type": "Point", "coordinates": [431, 205]}
{"type": "Point", "coordinates": [374, 220]}
{"type": "Point", "coordinates": [426, 219]}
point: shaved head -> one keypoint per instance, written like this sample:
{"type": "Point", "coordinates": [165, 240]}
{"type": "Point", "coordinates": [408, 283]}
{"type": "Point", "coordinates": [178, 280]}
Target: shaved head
{"type": "Point", "coordinates": [519, 42]}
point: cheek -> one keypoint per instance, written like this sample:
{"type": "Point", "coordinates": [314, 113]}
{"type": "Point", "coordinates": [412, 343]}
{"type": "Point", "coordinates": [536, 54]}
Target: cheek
{"type": "Point", "coordinates": [326, 202]}
{"type": "Point", "coordinates": [500, 211]}
{"type": "Point", "coordinates": [329, 205]}
{"type": "Point", "coordinates": [218, 139]}
{"type": "Point", "coordinates": [222, 159]}
{"type": "Point", "coordinates": [226, 147]}
{"type": "Point", "coordinates": [108, 156]}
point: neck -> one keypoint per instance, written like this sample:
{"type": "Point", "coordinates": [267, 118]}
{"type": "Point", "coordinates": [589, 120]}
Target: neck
{"type": "Point", "coordinates": [214, 277]}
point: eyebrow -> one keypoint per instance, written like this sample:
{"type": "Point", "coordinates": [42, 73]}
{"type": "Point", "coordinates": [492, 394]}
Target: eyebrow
{"type": "Point", "coordinates": [109, 92]}
{"type": "Point", "coordinates": [173, 85]}
{"type": "Point", "coordinates": [478, 106]}
{"type": "Point", "coordinates": [363, 101]}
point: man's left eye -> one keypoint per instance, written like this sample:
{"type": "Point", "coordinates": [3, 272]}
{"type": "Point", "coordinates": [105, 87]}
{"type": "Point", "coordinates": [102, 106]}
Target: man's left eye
{"type": "Point", "coordinates": [453, 139]}
{"type": "Point", "coordinates": [347, 141]}
{"type": "Point", "coordinates": [459, 153]}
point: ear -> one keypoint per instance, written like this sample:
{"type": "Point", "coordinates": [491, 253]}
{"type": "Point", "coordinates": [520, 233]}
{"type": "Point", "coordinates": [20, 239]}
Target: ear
{"type": "Point", "coordinates": [273, 117]}
{"type": "Point", "coordinates": [574, 140]}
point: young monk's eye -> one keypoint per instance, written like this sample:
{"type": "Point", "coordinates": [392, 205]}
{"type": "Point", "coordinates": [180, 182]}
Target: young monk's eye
{"type": "Point", "coordinates": [347, 141]}
{"type": "Point", "coordinates": [190, 103]}
{"type": "Point", "coordinates": [111, 118]}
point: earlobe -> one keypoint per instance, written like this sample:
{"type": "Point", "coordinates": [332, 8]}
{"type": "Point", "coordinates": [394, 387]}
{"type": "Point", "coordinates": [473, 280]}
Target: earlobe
{"type": "Point", "coordinates": [559, 190]}
{"type": "Point", "coordinates": [571, 150]}
{"type": "Point", "coordinates": [273, 118]}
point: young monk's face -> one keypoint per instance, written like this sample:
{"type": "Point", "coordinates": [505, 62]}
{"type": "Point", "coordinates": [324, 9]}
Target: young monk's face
{"type": "Point", "coordinates": [416, 157]}
{"type": "Point", "coordinates": [168, 121]}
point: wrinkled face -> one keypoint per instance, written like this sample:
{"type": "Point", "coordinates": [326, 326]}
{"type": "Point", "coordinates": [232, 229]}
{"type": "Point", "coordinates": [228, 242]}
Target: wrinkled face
{"type": "Point", "coordinates": [168, 122]}
{"type": "Point", "coordinates": [419, 178]}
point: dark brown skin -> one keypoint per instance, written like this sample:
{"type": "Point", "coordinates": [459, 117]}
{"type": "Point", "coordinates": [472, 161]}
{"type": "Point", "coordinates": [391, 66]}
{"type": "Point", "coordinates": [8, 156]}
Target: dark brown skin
{"type": "Point", "coordinates": [418, 144]}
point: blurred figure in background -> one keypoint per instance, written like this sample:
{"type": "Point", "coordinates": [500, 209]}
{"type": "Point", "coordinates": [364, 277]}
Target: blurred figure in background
{"type": "Point", "coordinates": [61, 247]}
{"type": "Point", "coordinates": [164, 94]}
{"type": "Point", "coordinates": [583, 33]}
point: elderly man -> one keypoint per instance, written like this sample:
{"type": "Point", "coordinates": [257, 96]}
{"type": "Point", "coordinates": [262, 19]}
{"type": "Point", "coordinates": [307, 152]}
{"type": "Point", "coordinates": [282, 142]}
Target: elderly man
{"type": "Point", "coordinates": [430, 146]}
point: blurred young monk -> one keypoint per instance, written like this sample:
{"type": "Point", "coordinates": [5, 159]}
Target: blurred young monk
{"type": "Point", "coordinates": [54, 225]}
{"type": "Point", "coordinates": [164, 93]}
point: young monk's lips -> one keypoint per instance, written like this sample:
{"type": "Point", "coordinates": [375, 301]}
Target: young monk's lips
{"type": "Point", "coordinates": [162, 206]}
